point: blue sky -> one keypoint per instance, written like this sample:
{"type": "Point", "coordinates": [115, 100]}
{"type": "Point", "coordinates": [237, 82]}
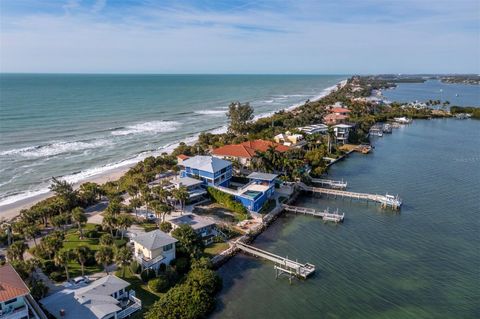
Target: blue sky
{"type": "Point", "coordinates": [289, 36]}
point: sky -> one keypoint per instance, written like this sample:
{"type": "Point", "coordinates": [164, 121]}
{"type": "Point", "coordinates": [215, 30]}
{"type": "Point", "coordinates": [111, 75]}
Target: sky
{"type": "Point", "coordinates": [240, 36]}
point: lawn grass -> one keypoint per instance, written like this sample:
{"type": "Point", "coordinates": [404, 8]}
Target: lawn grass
{"type": "Point", "coordinates": [72, 241]}
{"type": "Point", "coordinates": [214, 249]}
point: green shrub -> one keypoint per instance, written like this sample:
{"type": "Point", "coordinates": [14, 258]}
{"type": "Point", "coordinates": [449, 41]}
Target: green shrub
{"type": "Point", "coordinates": [182, 265]}
{"type": "Point", "coordinates": [163, 267]}
{"type": "Point", "coordinates": [147, 274]}
{"type": "Point", "coordinates": [91, 233]}
{"type": "Point", "coordinates": [227, 200]}
{"type": "Point", "coordinates": [57, 276]}
{"type": "Point", "coordinates": [48, 266]}
{"type": "Point", "coordinates": [160, 284]}
{"type": "Point", "coordinates": [98, 228]}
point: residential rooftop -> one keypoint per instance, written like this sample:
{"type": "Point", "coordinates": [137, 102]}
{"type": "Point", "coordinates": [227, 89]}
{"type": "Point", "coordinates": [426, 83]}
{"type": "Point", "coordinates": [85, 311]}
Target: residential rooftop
{"type": "Point", "coordinates": [262, 176]}
{"type": "Point", "coordinates": [196, 222]}
{"type": "Point", "coordinates": [186, 181]}
{"type": "Point", "coordinates": [11, 285]}
{"type": "Point", "coordinates": [248, 149]}
{"type": "Point", "coordinates": [89, 302]}
{"type": "Point", "coordinates": [154, 239]}
{"type": "Point", "coordinates": [206, 163]}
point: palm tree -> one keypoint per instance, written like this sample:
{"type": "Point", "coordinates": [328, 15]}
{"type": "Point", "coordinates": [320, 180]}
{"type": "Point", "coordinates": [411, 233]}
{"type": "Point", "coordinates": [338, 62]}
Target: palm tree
{"type": "Point", "coordinates": [123, 258]}
{"type": "Point", "coordinates": [106, 240]}
{"type": "Point", "coordinates": [134, 204]}
{"type": "Point", "coordinates": [104, 256]}
{"type": "Point", "coordinates": [30, 232]}
{"type": "Point", "coordinates": [61, 259]}
{"type": "Point", "coordinates": [109, 221]}
{"type": "Point", "coordinates": [124, 222]}
{"type": "Point", "coordinates": [82, 252]}
{"type": "Point", "coordinates": [78, 216]}
{"type": "Point", "coordinates": [7, 228]}
{"type": "Point", "coordinates": [64, 190]}
{"type": "Point", "coordinates": [16, 250]}
{"type": "Point", "coordinates": [181, 194]}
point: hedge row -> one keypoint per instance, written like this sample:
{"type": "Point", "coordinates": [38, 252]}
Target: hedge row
{"type": "Point", "coordinates": [226, 200]}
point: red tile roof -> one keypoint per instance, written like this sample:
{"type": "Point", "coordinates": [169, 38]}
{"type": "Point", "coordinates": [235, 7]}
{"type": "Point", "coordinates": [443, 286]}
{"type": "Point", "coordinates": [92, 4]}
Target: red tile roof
{"type": "Point", "coordinates": [11, 285]}
{"type": "Point", "coordinates": [183, 157]}
{"type": "Point", "coordinates": [248, 149]}
{"type": "Point", "coordinates": [339, 110]}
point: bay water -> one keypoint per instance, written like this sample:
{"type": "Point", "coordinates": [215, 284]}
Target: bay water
{"type": "Point", "coordinates": [420, 262]}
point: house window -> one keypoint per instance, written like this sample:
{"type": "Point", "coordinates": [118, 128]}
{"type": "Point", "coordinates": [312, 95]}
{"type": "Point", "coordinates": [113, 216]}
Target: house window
{"type": "Point", "coordinates": [167, 247]}
{"type": "Point", "coordinates": [10, 301]}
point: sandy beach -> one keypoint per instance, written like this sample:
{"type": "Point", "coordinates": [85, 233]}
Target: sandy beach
{"type": "Point", "coordinates": [12, 210]}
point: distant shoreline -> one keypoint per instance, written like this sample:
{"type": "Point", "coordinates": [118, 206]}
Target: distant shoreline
{"type": "Point", "coordinates": [11, 210]}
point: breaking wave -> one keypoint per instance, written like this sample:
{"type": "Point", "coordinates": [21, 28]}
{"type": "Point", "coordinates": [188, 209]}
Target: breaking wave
{"type": "Point", "coordinates": [55, 148]}
{"type": "Point", "coordinates": [148, 128]}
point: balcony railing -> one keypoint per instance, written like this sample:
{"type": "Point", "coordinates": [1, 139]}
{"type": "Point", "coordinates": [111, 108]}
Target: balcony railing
{"type": "Point", "coordinates": [136, 305]}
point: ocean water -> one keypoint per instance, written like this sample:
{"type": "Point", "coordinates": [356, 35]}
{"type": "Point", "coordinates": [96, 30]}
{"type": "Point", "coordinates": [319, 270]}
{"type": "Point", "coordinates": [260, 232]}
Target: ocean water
{"type": "Point", "coordinates": [77, 126]}
{"type": "Point", "coordinates": [456, 94]}
{"type": "Point", "coordinates": [421, 262]}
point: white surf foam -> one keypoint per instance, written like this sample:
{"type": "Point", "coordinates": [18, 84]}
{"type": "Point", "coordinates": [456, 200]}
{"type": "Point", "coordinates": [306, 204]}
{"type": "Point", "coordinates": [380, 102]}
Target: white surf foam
{"type": "Point", "coordinates": [148, 128]}
{"type": "Point", "coordinates": [55, 148]}
{"type": "Point", "coordinates": [211, 112]}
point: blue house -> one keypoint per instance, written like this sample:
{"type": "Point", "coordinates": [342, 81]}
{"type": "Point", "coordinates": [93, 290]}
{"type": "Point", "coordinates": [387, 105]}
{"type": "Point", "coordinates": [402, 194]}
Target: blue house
{"type": "Point", "coordinates": [212, 171]}
{"type": "Point", "coordinates": [254, 194]}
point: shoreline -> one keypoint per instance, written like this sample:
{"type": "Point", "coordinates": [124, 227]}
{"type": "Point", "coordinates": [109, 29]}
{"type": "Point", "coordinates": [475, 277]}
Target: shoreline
{"type": "Point", "coordinates": [11, 210]}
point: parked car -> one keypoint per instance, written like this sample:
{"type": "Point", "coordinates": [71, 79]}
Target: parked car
{"type": "Point", "coordinates": [79, 280]}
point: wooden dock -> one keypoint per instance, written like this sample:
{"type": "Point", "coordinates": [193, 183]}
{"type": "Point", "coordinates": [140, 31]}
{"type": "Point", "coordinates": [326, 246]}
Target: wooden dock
{"type": "Point", "coordinates": [283, 265]}
{"type": "Point", "coordinates": [325, 215]}
{"type": "Point", "coordinates": [331, 183]}
{"type": "Point", "coordinates": [385, 200]}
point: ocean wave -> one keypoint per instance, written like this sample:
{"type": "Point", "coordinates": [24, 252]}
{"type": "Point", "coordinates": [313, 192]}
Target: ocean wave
{"type": "Point", "coordinates": [148, 128]}
{"type": "Point", "coordinates": [55, 148]}
{"type": "Point", "coordinates": [211, 112]}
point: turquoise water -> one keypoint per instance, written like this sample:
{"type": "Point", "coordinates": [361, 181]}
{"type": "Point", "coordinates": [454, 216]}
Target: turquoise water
{"type": "Point", "coordinates": [468, 95]}
{"type": "Point", "coordinates": [77, 126]}
{"type": "Point", "coordinates": [423, 262]}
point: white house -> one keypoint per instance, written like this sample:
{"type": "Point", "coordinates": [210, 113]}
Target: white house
{"type": "Point", "coordinates": [342, 132]}
{"type": "Point", "coordinates": [105, 298]}
{"type": "Point", "coordinates": [15, 299]}
{"type": "Point", "coordinates": [314, 129]}
{"type": "Point", "coordinates": [289, 139]}
{"type": "Point", "coordinates": [153, 249]}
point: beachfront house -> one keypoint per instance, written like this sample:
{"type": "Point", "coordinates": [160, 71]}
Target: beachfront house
{"type": "Point", "coordinates": [193, 186]}
{"type": "Point", "coordinates": [105, 298]}
{"type": "Point", "coordinates": [243, 153]}
{"type": "Point", "coordinates": [181, 158]}
{"type": "Point", "coordinates": [212, 171]}
{"type": "Point", "coordinates": [204, 227]}
{"type": "Point", "coordinates": [15, 299]}
{"type": "Point", "coordinates": [289, 139]}
{"type": "Point", "coordinates": [260, 188]}
{"type": "Point", "coordinates": [314, 129]}
{"type": "Point", "coordinates": [153, 249]}
{"type": "Point", "coordinates": [342, 132]}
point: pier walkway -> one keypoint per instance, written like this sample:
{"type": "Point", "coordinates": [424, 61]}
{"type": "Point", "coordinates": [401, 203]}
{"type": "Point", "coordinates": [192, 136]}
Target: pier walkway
{"type": "Point", "coordinates": [330, 183]}
{"type": "Point", "coordinates": [325, 215]}
{"type": "Point", "coordinates": [283, 265]}
{"type": "Point", "coordinates": [386, 200]}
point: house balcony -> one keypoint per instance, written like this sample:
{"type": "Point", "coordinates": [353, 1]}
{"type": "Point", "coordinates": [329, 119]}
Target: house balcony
{"type": "Point", "coordinates": [148, 262]}
{"type": "Point", "coordinates": [132, 304]}
{"type": "Point", "coordinates": [14, 313]}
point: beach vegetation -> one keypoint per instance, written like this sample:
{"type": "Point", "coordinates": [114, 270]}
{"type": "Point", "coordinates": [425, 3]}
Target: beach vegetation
{"type": "Point", "coordinates": [239, 115]}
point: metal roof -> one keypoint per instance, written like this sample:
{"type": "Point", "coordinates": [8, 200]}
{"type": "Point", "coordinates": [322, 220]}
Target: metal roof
{"type": "Point", "coordinates": [206, 163]}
